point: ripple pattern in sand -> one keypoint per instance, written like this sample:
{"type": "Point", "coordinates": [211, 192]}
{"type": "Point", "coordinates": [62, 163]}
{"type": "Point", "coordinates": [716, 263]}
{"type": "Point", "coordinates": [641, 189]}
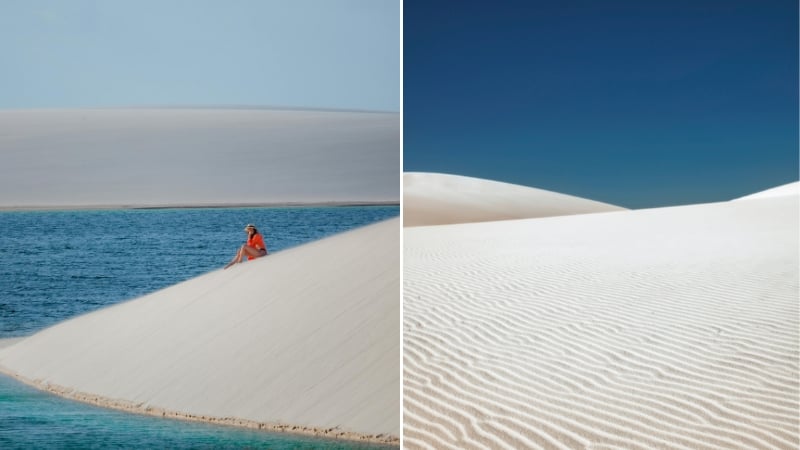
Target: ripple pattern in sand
{"type": "Point", "coordinates": [527, 334]}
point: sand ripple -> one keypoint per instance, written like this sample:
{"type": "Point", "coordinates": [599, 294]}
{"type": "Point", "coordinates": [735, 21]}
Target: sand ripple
{"type": "Point", "coordinates": [664, 328]}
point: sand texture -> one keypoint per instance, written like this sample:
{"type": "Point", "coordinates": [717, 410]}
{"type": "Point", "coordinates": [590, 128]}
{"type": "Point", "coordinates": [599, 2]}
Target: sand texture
{"type": "Point", "coordinates": [142, 157]}
{"type": "Point", "coordinates": [661, 328]}
{"type": "Point", "coordinates": [304, 340]}
{"type": "Point", "coordinates": [440, 199]}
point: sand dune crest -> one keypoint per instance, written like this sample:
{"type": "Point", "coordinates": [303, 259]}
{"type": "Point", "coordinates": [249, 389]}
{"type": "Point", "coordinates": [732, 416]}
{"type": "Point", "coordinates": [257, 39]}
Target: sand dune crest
{"type": "Point", "coordinates": [440, 199]}
{"type": "Point", "coordinates": [779, 191]}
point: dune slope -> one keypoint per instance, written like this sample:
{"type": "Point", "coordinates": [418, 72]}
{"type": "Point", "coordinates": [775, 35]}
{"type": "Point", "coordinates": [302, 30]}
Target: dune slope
{"type": "Point", "coordinates": [660, 328]}
{"type": "Point", "coordinates": [439, 199]}
{"type": "Point", "coordinates": [779, 191]}
{"type": "Point", "coordinates": [304, 340]}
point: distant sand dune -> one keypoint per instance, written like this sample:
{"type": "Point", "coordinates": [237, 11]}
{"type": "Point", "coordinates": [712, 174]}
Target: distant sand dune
{"type": "Point", "coordinates": [305, 340]}
{"type": "Point", "coordinates": [143, 157]}
{"type": "Point", "coordinates": [439, 199]}
{"type": "Point", "coordinates": [660, 328]}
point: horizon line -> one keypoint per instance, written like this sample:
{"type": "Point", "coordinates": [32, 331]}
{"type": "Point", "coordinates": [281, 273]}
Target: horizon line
{"type": "Point", "coordinates": [214, 205]}
{"type": "Point", "coordinates": [209, 106]}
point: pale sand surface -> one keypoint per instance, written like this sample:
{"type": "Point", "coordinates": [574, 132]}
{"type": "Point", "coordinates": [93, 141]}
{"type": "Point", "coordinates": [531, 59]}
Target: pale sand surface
{"type": "Point", "coordinates": [439, 199]}
{"type": "Point", "coordinates": [660, 328]}
{"type": "Point", "coordinates": [305, 340]}
{"type": "Point", "coordinates": [8, 342]}
{"type": "Point", "coordinates": [87, 157]}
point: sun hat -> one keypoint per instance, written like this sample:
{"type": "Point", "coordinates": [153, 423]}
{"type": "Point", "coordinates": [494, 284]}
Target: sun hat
{"type": "Point", "coordinates": [249, 225]}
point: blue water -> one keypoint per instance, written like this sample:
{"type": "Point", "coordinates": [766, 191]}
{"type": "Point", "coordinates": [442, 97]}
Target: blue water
{"type": "Point", "coordinates": [58, 264]}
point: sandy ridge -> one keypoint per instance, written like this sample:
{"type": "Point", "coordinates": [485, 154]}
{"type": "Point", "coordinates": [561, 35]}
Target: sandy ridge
{"type": "Point", "coordinates": [778, 191]}
{"type": "Point", "coordinates": [665, 328]}
{"type": "Point", "coordinates": [441, 199]}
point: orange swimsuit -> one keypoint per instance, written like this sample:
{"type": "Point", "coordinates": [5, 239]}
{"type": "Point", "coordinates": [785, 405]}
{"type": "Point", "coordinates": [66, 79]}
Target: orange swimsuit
{"type": "Point", "coordinates": [257, 242]}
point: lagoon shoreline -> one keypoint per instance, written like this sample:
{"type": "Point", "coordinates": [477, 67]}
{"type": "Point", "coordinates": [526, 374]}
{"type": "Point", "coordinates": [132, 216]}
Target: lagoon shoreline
{"type": "Point", "coordinates": [141, 408]}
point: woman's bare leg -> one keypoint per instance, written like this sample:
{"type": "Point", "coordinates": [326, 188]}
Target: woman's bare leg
{"type": "Point", "coordinates": [236, 259]}
{"type": "Point", "coordinates": [245, 251]}
{"type": "Point", "coordinates": [250, 251]}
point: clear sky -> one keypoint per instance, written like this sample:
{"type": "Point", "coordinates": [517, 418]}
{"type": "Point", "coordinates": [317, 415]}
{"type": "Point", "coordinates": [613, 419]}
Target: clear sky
{"type": "Point", "coordinates": [637, 103]}
{"type": "Point", "coordinates": [341, 54]}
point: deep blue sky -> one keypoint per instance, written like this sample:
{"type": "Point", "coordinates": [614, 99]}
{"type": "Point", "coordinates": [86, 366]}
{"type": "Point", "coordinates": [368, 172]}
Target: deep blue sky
{"type": "Point", "coordinates": [637, 103]}
{"type": "Point", "coordinates": [342, 54]}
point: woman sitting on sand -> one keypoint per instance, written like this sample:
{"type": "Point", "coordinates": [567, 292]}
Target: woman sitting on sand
{"type": "Point", "coordinates": [254, 248]}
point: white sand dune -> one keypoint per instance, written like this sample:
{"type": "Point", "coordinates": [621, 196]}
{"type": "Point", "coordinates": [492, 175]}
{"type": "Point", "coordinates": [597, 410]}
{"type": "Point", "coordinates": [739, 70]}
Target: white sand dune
{"type": "Point", "coordinates": [99, 157]}
{"type": "Point", "coordinates": [440, 199]}
{"type": "Point", "coordinates": [661, 328]}
{"type": "Point", "coordinates": [779, 191]}
{"type": "Point", "coordinates": [305, 340]}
